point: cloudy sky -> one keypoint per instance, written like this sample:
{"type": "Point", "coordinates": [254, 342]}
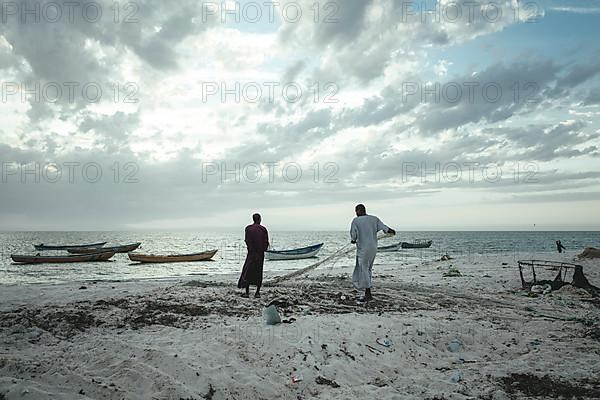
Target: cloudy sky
{"type": "Point", "coordinates": [191, 115]}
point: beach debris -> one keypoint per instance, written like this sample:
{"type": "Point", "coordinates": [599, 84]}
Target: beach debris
{"type": "Point", "coordinates": [386, 342]}
{"type": "Point", "coordinates": [373, 349]}
{"type": "Point", "coordinates": [590, 252]}
{"type": "Point", "coordinates": [454, 345]}
{"type": "Point", "coordinates": [297, 378]}
{"type": "Point", "coordinates": [456, 377]}
{"type": "Point", "coordinates": [83, 288]}
{"type": "Point", "coordinates": [579, 279]}
{"type": "Point", "coordinates": [541, 289]}
{"type": "Point", "coordinates": [324, 381]}
{"type": "Point", "coordinates": [453, 271]}
{"type": "Point", "coordinates": [271, 315]}
{"type": "Point", "coordinates": [546, 387]}
{"type": "Point", "coordinates": [211, 392]}
{"type": "Point", "coordinates": [445, 257]}
{"type": "Point", "coordinates": [463, 361]}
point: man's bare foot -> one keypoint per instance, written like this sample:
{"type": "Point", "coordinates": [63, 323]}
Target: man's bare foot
{"type": "Point", "coordinates": [245, 295]}
{"type": "Point", "coordinates": [257, 296]}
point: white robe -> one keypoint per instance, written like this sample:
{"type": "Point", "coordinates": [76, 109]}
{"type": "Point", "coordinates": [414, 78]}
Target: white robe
{"type": "Point", "coordinates": [364, 231]}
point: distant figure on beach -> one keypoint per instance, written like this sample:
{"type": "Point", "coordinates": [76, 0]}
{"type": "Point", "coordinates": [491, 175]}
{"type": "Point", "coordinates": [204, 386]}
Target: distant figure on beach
{"type": "Point", "coordinates": [363, 232]}
{"type": "Point", "coordinates": [257, 241]}
{"type": "Point", "coordinates": [559, 246]}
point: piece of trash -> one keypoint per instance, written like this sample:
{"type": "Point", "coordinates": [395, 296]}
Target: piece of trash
{"type": "Point", "coordinates": [384, 342]}
{"type": "Point", "coordinates": [324, 381]}
{"type": "Point", "coordinates": [454, 345]}
{"type": "Point", "coordinates": [373, 349]}
{"type": "Point", "coordinates": [463, 361]}
{"type": "Point", "coordinates": [456, 377]}
{"type": "Point", "coordinates": [271, 315]}
{"type": "Point", "coordinates": [297, 378]}
{"type": "Point", "coordinates": [547, 289]}
{"type": "Point", "coordinates": [537, 289]}
{"type": "Point", "coordinates": [343, 298]}
{"type": "Point", "coordinates": [452, 271]}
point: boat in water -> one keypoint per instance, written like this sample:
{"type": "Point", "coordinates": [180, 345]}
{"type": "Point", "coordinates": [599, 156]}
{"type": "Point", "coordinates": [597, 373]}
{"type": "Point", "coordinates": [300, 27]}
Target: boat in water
{"type": "Point", "coordinates": [295, 254]}
{"type": "Point", "coordinates": [117, 249]}
{"type": "Point", "coordinates": [43, 247]}
{"type": "Point", "coordinates": [390, 248]}
{"type": "Point", "coordinates": [173, 258]}
{"type": "Point", "coordinates": [417, 244]}
{"type": "Point", "coordinates": [39, 259]}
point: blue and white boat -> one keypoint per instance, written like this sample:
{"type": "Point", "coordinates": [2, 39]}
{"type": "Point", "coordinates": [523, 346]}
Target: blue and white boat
{"type": "Point", "coordinates": [295, 254]}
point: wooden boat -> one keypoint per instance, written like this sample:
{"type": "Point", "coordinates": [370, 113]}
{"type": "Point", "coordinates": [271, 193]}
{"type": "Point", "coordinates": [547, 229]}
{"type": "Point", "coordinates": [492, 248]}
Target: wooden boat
{"type": "Point", "coordinates": [42, 247]}
{"type": "Point", "coordinates": [38, 259]}
{"type": "Point", "coordinates": [151, 258]}
{"type": "Point", "coordinates": [417, 244]}
{"type": "Point", "coordinates": [388, 249]}
{"type": "Point", "coordinates": [295, 254]}
{"type": "Point", "coordinates": [117, 249]}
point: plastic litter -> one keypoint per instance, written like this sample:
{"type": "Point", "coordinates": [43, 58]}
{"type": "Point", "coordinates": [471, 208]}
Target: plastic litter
{"type": "Point", "coordinates": [271, 315]}
{"type": "Point", "coordinates": [454, 345]}
{"type": "Point", "coordinates": [456, 377]}
{"type": "Point", "coordinates": [384, 342]}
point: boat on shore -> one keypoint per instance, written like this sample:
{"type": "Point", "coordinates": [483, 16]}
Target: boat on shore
{"type": "Point", "coordinates": [39, 259]}
{"type": "Point", "coordinates": [43, 247]}
{"type": "Point", "coordinates": [295, 254]}
{"type": "Point", "coordinates": [390, 248]}
{"type": "Point", "coordinates": [173, 258]}
{"type": "Point", "coordinates": [117, 249]}
{"type": "Point", "coordinates": [417, 244]}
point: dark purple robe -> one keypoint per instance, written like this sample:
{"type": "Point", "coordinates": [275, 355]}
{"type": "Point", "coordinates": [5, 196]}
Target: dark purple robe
{"type": "Point", "coordinates": [257, 241]}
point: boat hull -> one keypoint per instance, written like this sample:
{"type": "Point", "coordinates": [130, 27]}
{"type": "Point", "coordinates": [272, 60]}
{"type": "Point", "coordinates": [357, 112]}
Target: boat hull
{"type": "Point", "coordinates": [296, 254]}
{"type": "Point", "coordinates": [42, 247]}
{"type": "Point", "coordinates": [389, 249]}
{"type": "Point", "coordinates": [98, 256]}
{"type": "Point", "coordinates": [417, 245]}
{"type": "Point", "coordinates": [116, 249]}
{"type": "Point", "coordinates": [161, 259]}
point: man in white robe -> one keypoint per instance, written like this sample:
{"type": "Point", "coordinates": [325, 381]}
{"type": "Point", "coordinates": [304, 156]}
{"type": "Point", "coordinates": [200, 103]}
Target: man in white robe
{"type": "Point", "coordinates": [363, 232]}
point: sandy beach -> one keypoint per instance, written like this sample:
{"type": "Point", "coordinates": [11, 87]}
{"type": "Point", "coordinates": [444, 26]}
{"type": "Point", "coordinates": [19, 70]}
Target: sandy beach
{"type": "Point", "coordinates": [426, 336]}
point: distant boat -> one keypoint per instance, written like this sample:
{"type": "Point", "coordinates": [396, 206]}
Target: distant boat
{"type": "Point", "coordinates": [42, 247]}
{"type": "Point", "coordinates": [151, 258]}
{"type": "Point", "coordinates": [417, 244]}
{"type": "Point", "coordinates": [38, 259]}
{"type": "Point", "coordinates": [296, 254]}
{"type": "Point", "coordinates": [117, 249]}
{"type": "Point", "coordinates": [388, 249]}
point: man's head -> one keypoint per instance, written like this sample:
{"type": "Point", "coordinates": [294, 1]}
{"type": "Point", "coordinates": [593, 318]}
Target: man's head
{"type": "Point", "coordinates": [256, 218]}
{"type": "Point", "coordinates": [360, 210]}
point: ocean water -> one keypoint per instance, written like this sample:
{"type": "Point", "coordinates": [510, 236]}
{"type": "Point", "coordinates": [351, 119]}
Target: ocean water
{"type": "Point", "coordinates": [231, 254]}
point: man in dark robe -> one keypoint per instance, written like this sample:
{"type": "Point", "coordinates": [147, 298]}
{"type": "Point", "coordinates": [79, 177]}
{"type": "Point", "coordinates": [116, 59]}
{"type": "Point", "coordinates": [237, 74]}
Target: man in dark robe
{"type": "Point", "coordinates": [559, 246]}
{"type": "Point", "coordinates": [257, 241]}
